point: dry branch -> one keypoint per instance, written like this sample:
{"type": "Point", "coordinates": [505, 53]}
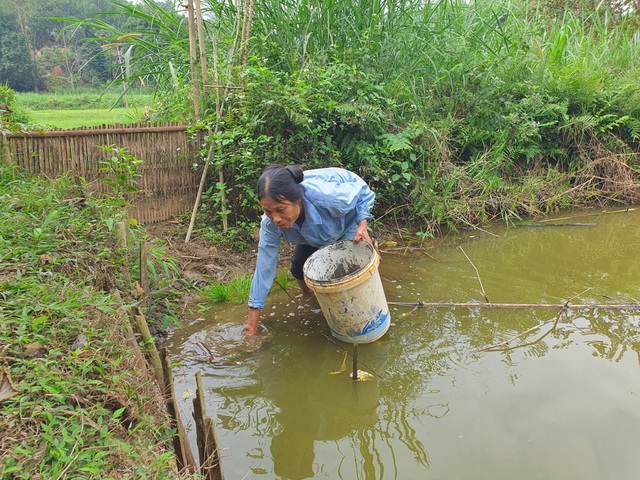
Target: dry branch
{"type": "Point", "coordinates": [522, 334]}
{"type": "Point", "coordinates": [477, 275]}
{"type": "Point", "coordinates": [555, 320]}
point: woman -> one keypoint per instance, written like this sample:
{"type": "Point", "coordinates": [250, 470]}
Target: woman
{"type": "Point", "coordinates": [310, 209]}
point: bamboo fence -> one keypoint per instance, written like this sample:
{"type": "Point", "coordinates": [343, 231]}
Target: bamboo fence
{"type": "Point", "coordinates": [168, 183]}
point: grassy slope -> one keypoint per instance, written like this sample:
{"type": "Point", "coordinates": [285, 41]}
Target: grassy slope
{"type": "Point", "coordinates": [86, 404]}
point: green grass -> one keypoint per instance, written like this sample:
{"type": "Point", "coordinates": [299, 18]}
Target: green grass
{"type": "Point", "coordinates": [237, 291]}
{"type": "Point", "coordinates": [86, 405]}
{"type": "Point", "coordinates": [81, 99]}
{"type": "Point", "coordinates": [84, 118]}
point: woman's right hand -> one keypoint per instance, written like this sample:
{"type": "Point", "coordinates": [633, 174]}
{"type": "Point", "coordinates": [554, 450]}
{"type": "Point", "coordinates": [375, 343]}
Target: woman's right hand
{"type": "Point", "coordinates": [252, 322]}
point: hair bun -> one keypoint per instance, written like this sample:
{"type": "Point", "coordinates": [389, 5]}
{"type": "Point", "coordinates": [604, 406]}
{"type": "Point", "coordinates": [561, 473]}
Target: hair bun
{"type": "Point", "coordinates": [296, 172]}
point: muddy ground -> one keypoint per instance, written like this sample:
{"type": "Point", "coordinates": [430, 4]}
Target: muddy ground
{"type": "Point", "coordinates": [201, 260]}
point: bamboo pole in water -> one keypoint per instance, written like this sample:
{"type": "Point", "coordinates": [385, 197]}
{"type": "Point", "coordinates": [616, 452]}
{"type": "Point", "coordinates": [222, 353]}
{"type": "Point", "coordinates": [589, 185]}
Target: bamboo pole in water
{"type": "Point", "coordinates": [576, 306]}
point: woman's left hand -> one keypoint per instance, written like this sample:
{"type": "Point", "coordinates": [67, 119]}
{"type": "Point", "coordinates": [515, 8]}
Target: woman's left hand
{"type": "Point", "coordinates": [362, 233]}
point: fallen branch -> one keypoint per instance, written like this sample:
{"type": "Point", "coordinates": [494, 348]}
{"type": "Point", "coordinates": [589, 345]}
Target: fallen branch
{"type": "Point", "coordinates": [477, 275]}
{"type": "Point", "coordinates": [522, 334]}
{"type": "Point", "coordinates": [555, 320]}
{"type": "Point", "coordinates": [556, 225]}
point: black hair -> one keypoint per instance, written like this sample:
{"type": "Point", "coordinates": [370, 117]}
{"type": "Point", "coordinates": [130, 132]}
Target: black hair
{"type": "Point", "coordinates": [281, 182]}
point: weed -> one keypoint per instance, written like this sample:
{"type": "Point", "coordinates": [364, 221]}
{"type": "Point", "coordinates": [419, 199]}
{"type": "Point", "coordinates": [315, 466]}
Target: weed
{"type": "Point", "coordinates": [237, 291]}
{"type": "Point", "coordinates": [64, 287]}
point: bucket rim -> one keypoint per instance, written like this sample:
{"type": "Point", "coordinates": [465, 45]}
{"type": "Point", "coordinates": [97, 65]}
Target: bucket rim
{"type": "Point", "coordinates": [346, 278]}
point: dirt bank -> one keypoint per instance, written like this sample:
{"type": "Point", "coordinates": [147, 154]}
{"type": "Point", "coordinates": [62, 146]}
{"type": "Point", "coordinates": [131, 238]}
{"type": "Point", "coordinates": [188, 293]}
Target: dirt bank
{"type": "Point", "coordinates": [203, 261]}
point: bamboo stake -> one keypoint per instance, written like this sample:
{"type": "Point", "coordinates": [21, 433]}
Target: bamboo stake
{"type": "Point", "coordinates": [6, 153]}
{"type": "Point", "coordinates": [201, 44]}
{"type": "Point", "coordinates": [193, 60]}
{"type": "Point", "coordinates": [351, 353]}
{"type": "Point", "coordinates": [149, 345]}
{"type": "Point", "coordinates": [354, 373]}
{"type": "Point", "coordinates": [210, 465]}
{"type": "Point", "coordinates": [194, 211]}
{"type": "Point", "coordinates": [533, 306]}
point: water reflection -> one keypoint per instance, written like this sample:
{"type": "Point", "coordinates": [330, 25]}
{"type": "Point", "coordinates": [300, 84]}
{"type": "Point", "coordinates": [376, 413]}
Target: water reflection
{"type": "Point", "coordinates": [559, 402]}
{"type": "Point", "coordinates": [312, 403]}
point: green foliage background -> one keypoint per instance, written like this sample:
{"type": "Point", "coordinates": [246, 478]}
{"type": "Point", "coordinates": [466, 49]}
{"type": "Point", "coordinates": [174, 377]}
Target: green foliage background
{"type": "Point", "coordinates": [457, 113]}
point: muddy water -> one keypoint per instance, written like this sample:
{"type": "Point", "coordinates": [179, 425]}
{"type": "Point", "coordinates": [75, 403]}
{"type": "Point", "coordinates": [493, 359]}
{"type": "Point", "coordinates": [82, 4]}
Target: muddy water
{"type": "Point", "coordinates": [562, 402]}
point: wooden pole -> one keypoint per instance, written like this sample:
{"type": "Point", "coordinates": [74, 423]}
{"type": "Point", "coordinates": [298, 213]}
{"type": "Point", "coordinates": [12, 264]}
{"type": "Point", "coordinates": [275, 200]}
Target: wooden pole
{"type": "Point", "coordinates": [194, 211]}
{"type": "Point", "coordinates": [99, 131]}
{"type": "Point", "coordinates": [201, 44]}
{"type": "Point", "coordinates": [149, 345]}
{"type": "Point", "coordinates": [588, 306]}
{"type": "Point", "coordinates": [6, 153]}
{"type": "Point", "coordinates": [354, 370]}
{"type": "Point", "coordinates": [193, 61]}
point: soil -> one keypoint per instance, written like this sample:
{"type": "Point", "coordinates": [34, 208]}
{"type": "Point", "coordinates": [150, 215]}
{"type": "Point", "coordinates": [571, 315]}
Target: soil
{"type": "Point", "coordinates": [202, 261]}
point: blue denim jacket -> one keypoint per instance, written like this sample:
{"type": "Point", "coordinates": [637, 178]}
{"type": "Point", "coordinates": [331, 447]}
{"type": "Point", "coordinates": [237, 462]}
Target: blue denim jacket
{"type": "Point", "coordinates": [335, 201]}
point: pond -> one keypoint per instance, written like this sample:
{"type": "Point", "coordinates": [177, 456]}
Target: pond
{"type": "Point", "coordinates": [457, 392]}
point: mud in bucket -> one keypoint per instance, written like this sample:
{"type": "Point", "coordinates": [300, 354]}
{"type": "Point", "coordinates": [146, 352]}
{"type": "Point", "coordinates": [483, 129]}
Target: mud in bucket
{"type": "Point", "coordinates": [344, 277]}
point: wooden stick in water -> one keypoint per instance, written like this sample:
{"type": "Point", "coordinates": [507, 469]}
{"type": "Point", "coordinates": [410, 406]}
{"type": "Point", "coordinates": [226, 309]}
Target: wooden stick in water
{"type": "Point", "coordinates": [588, 306]}
{"type": "Point", "coordinates": [351, 353]}
{"type": "Point", "coordinates": [355, 362]}
{"type": "Point", "coordinates": [477, 275]}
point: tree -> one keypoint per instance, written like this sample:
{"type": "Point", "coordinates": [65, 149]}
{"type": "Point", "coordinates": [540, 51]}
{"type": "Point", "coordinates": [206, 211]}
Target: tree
{"type": "Point", "coordinates": [17, 67]}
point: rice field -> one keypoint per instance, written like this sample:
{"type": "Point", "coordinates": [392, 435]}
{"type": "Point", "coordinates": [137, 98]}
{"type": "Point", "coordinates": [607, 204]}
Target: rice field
{"type": "Point", "coordinates": [68, 119]}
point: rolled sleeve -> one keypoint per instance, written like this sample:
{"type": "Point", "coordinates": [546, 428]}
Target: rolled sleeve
{"type": "Point", "coordinates": [364, 204]}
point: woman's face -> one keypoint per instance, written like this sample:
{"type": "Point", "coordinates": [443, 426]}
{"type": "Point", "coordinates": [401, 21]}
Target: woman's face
{"type": "Point", "coordinates": [281, 212]}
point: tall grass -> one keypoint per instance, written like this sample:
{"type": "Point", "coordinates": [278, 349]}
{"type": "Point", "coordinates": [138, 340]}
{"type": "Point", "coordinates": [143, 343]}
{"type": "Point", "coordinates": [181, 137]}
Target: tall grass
{"type": "Point", "coordinates": [452, 105]}
{"type": "Point", "coordinates": [237, 291]}
{"type": "Point", "coordinates": [84, 395]}
{"type": "Point", "coordinates": [478, 97]}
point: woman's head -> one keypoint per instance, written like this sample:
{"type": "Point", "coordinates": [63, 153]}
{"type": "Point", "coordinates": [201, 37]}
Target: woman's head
{"type": "Point", "coordinates": [280, 193]}
{"type": "Point", "coordinates": [281, 182]}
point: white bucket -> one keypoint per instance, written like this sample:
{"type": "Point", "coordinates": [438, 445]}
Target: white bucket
{"type": "Point", "coordinates": [344, 276]}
